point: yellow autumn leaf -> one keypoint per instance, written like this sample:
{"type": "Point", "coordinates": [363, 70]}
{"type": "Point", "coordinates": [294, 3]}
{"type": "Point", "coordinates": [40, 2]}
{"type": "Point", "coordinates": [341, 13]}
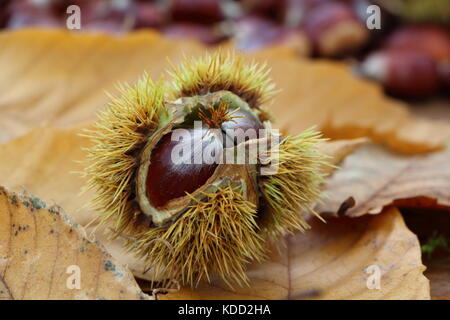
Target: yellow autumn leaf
{"type": "Point", "coordinates": [337, 260]}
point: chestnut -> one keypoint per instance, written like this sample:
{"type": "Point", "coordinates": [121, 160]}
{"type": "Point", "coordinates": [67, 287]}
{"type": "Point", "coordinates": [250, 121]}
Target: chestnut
{"type": "Point", "coordinates": [168, 180]}
{"type": "Point", "coordinates": [431, 39]}
{"type": "Point", "coordinates": [403, 73]}
{"type": "Point", "coordinates": [263, 7]}
{"type": "Point", "coordinates": [444, 75]}
{"type": "Point", "coordinates": [27, 13]}
{"type": "Point", "coordinates": [334, 29]}
{"type": "Point", "coordinates": [150, 15]}
{"type": "Point", "coordinates": [294, 12]}
{"type": "Point", "coordinates": [198, 11]}
{"type": "Point", "coordinates": [254, 32]}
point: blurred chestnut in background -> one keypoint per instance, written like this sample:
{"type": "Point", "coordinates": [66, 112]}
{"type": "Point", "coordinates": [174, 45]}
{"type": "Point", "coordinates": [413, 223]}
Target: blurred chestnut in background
{"type": "Point", "coordinates": [4, 13]}
{"type": "Point", "coordinates": [293, 12]}
{"type": "Point", "coordinates": [111, 16]}
{"type": "Point", "coordinates": [444, 75]}
{"type": "Point", "coordinates": [432, 40]}
{"type": "Point", "coordinates": [255, 32]}
{"type": "Point", "coordinates": [404, 73]}
{"type": "Point", "coordinates": [335, 30]}
{"type": "Point", "coordinates": [269, 8]}
{"type": "Point", "coordinates": [198, 11]}
{"type": "Point", "coordinates": [23, 13]}
{"type": "Point", "coordinates": [150, 14]}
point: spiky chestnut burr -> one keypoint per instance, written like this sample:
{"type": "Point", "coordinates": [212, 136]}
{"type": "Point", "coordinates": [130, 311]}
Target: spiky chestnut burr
{"type": "Point", "coordinates": [190, 221]}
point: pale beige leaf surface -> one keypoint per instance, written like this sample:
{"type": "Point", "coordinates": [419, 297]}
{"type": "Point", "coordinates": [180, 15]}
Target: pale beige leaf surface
{"type": "Point", "coordinates": [329, 262]}
{"type": "Point", "coordinates": [37, 246]}
{"type": "Point", "coordinates": [47, 162]}
{"type": "Point", "coordinates": [337, 150]}
{"type": "Point", "coordinates": [59, 78]}
{"type": "Point", "coordinates": [372, 178]}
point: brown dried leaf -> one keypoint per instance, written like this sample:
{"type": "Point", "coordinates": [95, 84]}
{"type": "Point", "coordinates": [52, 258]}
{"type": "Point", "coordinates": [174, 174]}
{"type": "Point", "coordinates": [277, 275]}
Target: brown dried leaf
{"type": "Point", "coordinates": [372, 178]}
{"type": "Point", "coordinates": [59, 78]}
{"type": "Point", "coordinates": [330, 262]}
{"type": "Point", "coordinates": [38, 245]}
{"type": "Point", "coordinates": [337, 150]}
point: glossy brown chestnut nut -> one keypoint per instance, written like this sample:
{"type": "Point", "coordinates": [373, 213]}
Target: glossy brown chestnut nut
{"type": "Point", "coordinates": [168, 179]}
{"type": "Point", "coordinates": [172, 174]}
{"type": "Point", "coordinates": [199, 11]}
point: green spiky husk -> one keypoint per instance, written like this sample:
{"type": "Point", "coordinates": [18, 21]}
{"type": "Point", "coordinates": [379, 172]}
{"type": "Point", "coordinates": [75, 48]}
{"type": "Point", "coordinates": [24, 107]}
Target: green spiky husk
{"type": "Point", "coordinates": [117, 137]}
{"type": "Point", "coordinates": [223, 71]}
{"type": "Point", "coordinates": [291, 192]}
{"type": "Point", "coordinates": [222, 233]}
{"type": "Point", "coordinates": [218, 235]}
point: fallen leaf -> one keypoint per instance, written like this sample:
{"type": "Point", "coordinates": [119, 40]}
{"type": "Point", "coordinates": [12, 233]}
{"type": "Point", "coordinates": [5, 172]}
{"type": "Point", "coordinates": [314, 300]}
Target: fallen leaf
{"type": "Point", "coordinates": [59, 78]}
{"type": "Point", "coordinates": [373, 178]}
{"type": "Point", "coordinates": [331, 261]}
{"type": "Point", "coordinates": [40, 249]}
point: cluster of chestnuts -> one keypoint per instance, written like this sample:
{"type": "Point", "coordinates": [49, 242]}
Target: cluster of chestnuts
{"type": "Point", "coordinates": [414, 61]}
{"type": "Point", "coordinates": [160, 169]}
{"type": "Point", "coordinates": [320, 28]}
